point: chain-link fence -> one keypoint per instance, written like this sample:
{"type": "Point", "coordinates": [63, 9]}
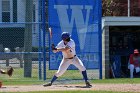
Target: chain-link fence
{"type": "Point", "coordinates": [23, 24]}
{"type": "Point", "coordinates": [21, 41]}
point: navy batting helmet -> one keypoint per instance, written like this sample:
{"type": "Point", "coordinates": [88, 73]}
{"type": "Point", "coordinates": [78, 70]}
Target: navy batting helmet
{"type": "Point", "coordinates": [65, 35]}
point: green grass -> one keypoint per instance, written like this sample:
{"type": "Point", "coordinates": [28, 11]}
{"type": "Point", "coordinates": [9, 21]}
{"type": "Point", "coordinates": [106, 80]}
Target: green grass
{"type": "Point", "coordinates": [19, 79]}
{"type": "Point", "coordinates": [70, 74]}
{"type": "Point", "coordinates": [19, 74]}
{"type": "Point", "coordinates": [107, 81]}
{"type": "Point", "coordinates": [118, 81]}
{"type": "Point", "coordinates": [28, 81]}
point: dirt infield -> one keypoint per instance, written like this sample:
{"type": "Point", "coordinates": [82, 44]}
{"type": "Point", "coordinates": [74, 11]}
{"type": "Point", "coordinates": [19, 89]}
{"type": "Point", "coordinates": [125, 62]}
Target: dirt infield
{"type": "Point", "coordinates": [96, 87]}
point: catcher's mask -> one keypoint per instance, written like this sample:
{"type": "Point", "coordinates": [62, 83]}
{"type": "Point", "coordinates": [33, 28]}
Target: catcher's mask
{"type": "Point", "coordinates": [65, 36]}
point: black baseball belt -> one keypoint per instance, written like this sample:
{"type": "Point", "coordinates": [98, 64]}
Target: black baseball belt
{"type": "Point", "coordinates": [71, 57]}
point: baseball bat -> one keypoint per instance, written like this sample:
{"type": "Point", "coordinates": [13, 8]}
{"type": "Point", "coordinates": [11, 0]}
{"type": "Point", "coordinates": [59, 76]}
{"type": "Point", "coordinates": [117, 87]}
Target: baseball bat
{"type": "Point", "coordinates": [51, 40]}
{"type": "Point", "coordinates": [51, 35]}
{"type": "Point", "coordinates": [50, 31]}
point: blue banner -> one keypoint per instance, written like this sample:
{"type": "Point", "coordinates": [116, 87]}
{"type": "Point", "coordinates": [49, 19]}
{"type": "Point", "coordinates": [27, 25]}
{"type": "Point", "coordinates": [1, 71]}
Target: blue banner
{"type": "Point", "coordinates": [82, 19]}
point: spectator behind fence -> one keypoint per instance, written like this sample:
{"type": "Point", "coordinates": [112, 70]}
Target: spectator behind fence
{"type": "Point", "coordinates": [134, 63]}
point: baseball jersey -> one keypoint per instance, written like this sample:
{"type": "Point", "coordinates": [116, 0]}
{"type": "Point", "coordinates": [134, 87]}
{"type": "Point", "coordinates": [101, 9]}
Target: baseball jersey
{"type": "Point", "coordinates": [135, 60]}
{"type": "Point", "coordinates": [69, 53]}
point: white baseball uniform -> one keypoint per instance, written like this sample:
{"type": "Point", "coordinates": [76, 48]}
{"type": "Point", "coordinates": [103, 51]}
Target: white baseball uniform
{"type": "Point", "coordinates": [69, 57]}
{"type": "Point", "coordinates": [67, 47]}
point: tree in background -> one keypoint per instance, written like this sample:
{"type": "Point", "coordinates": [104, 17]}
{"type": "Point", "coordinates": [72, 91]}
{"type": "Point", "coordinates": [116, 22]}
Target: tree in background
{"type": "Point", "coordinates": [120, 7]}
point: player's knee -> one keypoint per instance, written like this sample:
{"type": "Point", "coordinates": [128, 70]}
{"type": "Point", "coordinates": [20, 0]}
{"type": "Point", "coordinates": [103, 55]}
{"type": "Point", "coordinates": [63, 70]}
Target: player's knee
{"type": "Point", "coordinates": [82, 69]}
{"type": "Point", "coordinates": [131, 66]}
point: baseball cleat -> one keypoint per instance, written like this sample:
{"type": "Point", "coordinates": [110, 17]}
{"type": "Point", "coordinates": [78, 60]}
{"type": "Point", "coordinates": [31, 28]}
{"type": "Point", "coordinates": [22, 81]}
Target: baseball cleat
{"type": "Point", "coordinates": [88, 84]}
{"type": "Point", "coordinates": [48, 84]}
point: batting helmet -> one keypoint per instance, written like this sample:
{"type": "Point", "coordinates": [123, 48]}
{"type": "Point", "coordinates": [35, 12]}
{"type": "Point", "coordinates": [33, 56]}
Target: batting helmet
{"type": "Point", "coordinates": [65, 35]}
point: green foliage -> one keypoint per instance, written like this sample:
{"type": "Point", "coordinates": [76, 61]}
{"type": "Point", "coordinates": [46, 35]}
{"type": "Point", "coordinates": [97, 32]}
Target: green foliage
{"type": "Point", "coordinates": [114, 7]}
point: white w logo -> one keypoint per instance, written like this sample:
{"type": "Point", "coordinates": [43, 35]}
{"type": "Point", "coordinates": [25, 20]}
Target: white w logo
{"type": "Point", "coordinates": [77, 16]}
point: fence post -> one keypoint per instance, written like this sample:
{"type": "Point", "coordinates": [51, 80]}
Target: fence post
{"type": "Point", "coordinates": [44, 37]}
{"type": "Point", "coordinates": [28, 39]}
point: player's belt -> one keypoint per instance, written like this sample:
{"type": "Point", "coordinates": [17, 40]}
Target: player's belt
{"type": "Point", "coordinates": [71, 57]}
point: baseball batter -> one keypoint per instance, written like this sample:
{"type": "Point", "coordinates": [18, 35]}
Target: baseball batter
{"type": "Point", "coordinates": [67, 47]}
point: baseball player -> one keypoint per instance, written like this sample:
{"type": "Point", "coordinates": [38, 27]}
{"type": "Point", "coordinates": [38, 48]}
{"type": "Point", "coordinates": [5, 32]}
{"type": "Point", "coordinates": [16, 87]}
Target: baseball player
{"type": "Point", "coordinates": [67, 47]}
{"type": "Point", "coordinates": [134, 63]}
